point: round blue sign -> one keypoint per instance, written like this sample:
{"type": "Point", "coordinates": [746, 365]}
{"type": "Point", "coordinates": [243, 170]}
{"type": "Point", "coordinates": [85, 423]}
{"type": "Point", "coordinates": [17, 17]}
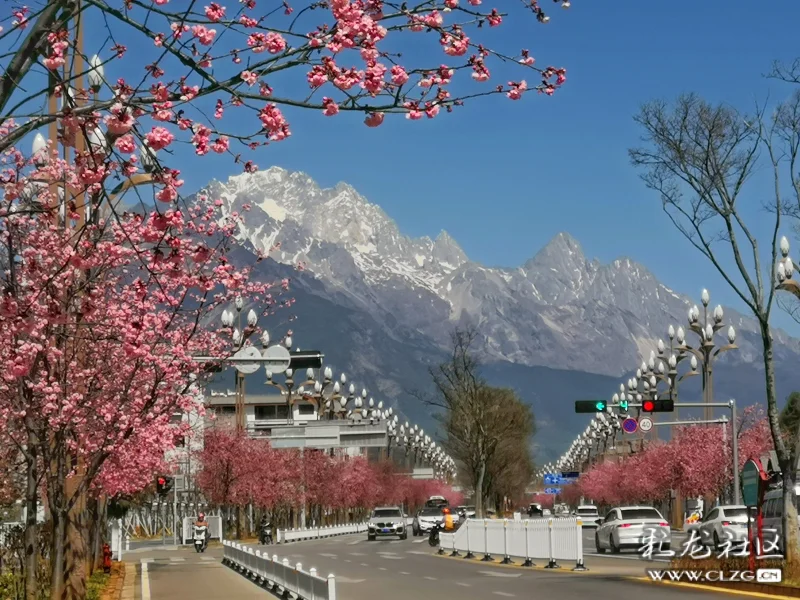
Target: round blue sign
{"type": "Point", "coordinates": [630, 425]}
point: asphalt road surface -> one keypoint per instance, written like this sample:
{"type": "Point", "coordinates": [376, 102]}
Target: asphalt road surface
{"type": "Point", "coordinates": [399, 570]}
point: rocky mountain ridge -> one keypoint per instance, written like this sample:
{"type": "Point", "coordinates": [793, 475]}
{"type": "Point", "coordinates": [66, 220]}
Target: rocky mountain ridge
{"type": "Point", "coordinates": [559, 309]}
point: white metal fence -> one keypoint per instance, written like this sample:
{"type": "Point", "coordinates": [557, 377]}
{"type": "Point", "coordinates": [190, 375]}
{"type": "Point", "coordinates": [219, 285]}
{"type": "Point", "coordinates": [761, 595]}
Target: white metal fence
{"type": "Point", "coordinates": [550, 539]}
{"type": "Point", "coordinates": [277, 575]}
{"type": "Point", "coordinates": [315, 533]}
{"type": "Point", "coordinates": [214, 529]}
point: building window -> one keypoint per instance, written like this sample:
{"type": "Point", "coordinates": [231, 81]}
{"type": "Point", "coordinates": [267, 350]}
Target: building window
{"type": "Point", "coordinates": [270, 412]}
{"type": "Point", "coordinates": [306, 409]}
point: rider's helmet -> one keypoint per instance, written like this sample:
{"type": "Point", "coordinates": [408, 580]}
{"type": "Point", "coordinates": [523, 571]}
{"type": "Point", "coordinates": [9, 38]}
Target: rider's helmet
{"type": "Point", "coordinates": [201, 517]}
{"type": "Point", "coordinates": [446, 511]}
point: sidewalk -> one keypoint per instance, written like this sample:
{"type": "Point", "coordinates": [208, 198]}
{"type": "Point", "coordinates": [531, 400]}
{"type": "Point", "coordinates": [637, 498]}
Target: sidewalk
{"type": "Point", "coordinates": [166, 574]}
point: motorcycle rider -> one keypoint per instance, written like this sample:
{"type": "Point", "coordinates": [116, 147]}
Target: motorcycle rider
{"type": "Point", "coordinates": [449, 525]}
{"type": "Point", "coordinates": [201, 522]}
{"type": "Point", "coordinates": [265, 530]}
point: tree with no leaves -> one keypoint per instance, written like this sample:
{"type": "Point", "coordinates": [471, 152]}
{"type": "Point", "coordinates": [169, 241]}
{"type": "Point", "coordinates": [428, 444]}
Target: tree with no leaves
{"type": "Point", "coordinates": [700, 158]}
{"type": "Point", "coordinates": [479, 422]}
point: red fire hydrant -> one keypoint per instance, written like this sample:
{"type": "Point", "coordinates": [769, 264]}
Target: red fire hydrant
{"type": "Point", "coordinates": [106, 558]}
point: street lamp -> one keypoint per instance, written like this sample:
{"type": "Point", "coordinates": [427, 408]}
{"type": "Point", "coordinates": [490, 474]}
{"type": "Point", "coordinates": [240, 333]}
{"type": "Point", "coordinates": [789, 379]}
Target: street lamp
{"type": "Point", "coordinates": [240, 337]}
{"type": "Point", "coordinates": [706, 351]}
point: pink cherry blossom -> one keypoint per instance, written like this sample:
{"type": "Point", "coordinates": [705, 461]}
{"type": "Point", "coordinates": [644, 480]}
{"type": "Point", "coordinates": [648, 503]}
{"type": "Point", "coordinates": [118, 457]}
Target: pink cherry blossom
{"type": "Point", "coordinates": [159, 138]}
{"type": "Point", "coordinates": [204, 35]}
{"type": "Point", "coordinates": [215, 12]}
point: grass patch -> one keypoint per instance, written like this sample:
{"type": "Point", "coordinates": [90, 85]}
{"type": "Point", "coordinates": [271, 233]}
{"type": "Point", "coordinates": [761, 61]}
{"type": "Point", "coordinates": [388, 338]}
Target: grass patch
{"type": "Point", "coordinates": [96, 584]}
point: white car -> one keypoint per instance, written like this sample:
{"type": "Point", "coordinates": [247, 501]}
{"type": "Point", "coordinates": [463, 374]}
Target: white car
{"type": "Point", "coordinates": [387, 521]}
{"type": "Point", "coordinates": [589, 515]}
{"type": "Point", "coordinates": [425, 519]}
{"type": "Point", "coordinates": [721, 524]}
{"type": "Point", "coordinates": [633, 527]}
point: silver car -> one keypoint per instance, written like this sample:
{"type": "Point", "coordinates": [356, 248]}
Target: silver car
{"type": "Point", "coordinates": [387, 521]}
{"type": "Point", "coordinates": [633, 527]}
{"type": "Point", "coordinates": [723, 524]}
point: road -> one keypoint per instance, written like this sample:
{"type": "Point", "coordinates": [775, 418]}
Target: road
{"type": "Point", "coordinates": [398, 570]}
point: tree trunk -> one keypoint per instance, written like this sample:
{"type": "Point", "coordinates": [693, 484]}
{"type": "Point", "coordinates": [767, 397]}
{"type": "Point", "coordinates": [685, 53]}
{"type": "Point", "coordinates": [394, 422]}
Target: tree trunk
{"type": "Point", "coordinates": [75, 553]}
{"type": "Point", "coordinates": [479, 490]}
{"type": "Point", "coordinates": [31, 526]}
{"type": "Point", "coordinates": [786, 456]}
{"type": "Point", "coordinates": [57, 552]}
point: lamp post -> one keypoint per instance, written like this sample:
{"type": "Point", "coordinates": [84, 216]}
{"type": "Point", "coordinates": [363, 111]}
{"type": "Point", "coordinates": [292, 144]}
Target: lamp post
{"type": "Point", "coordinates": [706, 351]}
{"type": "Point", "coordinates": [668, 365]}
{"type": "Point", "coordinates": [240, 337]}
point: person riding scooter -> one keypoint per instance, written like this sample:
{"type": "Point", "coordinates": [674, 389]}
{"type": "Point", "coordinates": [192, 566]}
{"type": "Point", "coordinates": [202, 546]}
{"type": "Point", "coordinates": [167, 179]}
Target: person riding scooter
{"type": "Point", "coordinates": [265, 531]}
{"type": "Point", "coordinates": [449, 524]}
{"type": "Point", "coordinates": [201, 527]}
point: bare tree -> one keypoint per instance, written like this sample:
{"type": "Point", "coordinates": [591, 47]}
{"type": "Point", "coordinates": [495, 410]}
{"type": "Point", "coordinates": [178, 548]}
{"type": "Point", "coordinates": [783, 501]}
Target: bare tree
{"type": "Point", "coordinates": [476, 418]}
{"type": "Point", "coordinates": [700, 158]}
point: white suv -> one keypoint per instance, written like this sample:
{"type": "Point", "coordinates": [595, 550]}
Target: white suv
{"type": "Point", "coordinates": [588, 514]}
{"type": "Point", "coordinates": [387, 521]}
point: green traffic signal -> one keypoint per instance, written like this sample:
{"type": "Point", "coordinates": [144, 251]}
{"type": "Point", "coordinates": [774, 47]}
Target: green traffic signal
{"type": "Point", "coordinates": [623, 405]}
{"type": "Point", "coordinates": [590, 406]}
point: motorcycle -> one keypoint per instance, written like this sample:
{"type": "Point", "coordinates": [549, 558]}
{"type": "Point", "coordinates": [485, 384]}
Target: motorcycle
{"type": "Point", "coordinates": [265, 535]}
{"type": "Point", "coordinates": [200, 538]}
{"type": "Point", "coordinates": [433, 537]}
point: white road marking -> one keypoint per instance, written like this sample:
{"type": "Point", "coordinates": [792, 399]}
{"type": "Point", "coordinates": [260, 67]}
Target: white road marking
{"type": "Point", "coordinates": [207, 559]}
{"type": "Point", "coordinates": [145, 582]}
{"type": "Point", "coordinates": [430, 578]}
{"type": "Point", "coordinates": [506, 594]}
{"type": "Point", "coordinates": [144, 561]}
{"type": "Point", "coordinates": [346, 560]}
{"type": "Point", "coordinates": [177, 559]}
{"type": "Point", "coordinates": [417, 541]}
{"type": "Point", "coordinates": [382, 568]}
{"type": "Point", "coordinates": [462, 584]}
{"type": "Point", "coordinates": [391, 556]}
{"type": "Point", "coordinates": [404, 573]}
{"type": "Point", "coordinates": [356, 554]}
{"type": "Point", "coordinates": [354, 542]}
{"type": "Point", "coordinates": [417, 552]}
{"type": "Point", "coordinates": [364, 565]}
{"type": "Point", "coordinates": [348, 580]}
{"type": "Point", "coordinates": [329, 555]}
{"type": "Point", "coordinates": [497, 574]}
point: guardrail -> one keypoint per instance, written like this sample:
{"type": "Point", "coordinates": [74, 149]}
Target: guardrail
{"type": "Point", "coordinates": [541, 539]}
{"type": "Point", "coordinates": [277, 575]}
{"type": "Point", "coordinates": [316, 533]}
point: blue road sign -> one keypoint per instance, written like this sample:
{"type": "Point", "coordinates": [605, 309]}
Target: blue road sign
{"type": "Point", "coordinates": [630, 425]}
{"type": "Point", "coordinates": [570, 475]}
{"type": "Point", "coordinates": [552, 491]}
{"type": "Point", "coordinates": [550, 479]}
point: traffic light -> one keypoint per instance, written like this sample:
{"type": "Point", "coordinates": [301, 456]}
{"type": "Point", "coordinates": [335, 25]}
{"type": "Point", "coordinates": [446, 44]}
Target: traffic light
{"type": "Point", "coordinates": [590, 406]}
{"type": "Point", "coordinates": [623, 405]}
{"type": "Point", "coordinates": [654, 406]}
{"type": "Point", "coordinates": [163, 485]}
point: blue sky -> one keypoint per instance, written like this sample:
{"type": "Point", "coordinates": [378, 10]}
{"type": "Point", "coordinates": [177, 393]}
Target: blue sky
{"type": "Point", "coordinates": [504, 177]}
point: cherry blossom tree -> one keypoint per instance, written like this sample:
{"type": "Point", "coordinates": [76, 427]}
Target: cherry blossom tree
{"type": "Point", "coordinates": [103, 310]}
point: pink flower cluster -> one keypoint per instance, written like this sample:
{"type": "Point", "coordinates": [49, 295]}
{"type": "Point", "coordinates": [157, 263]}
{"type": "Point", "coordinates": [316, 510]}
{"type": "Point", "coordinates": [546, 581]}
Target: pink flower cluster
{"type": "Point", "coordinates": [236, 470]}
{"type": "Point", "coordinates": [695, 462]}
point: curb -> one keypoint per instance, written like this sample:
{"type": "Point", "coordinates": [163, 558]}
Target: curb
{"type": "Point", "coordinates": [129, 581]}
{"type": "Point", "coordinates": [497, 563]}
{"type": "Point", "coordinates": [725, 589]}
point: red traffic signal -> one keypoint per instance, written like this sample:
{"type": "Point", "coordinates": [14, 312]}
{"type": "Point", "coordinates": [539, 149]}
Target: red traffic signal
{"type": "Point", "coordinates": [654, 406]}
{"type": "Point", "coordinates": [161, 481]}
{"type": "Point", "coordinates": [163, 485]}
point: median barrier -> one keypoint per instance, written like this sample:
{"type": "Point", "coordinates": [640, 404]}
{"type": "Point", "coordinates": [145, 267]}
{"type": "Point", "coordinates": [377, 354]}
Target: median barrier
{"type": "Point", "coordinates": [316, 533]}
{"type": "Point", "coordinates": [277, 575]}
{"type": "Point", "coordinates": [546, 539]}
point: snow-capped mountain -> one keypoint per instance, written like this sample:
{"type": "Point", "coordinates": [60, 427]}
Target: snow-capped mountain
{"type": "Point", "coordinates": [558, 310]}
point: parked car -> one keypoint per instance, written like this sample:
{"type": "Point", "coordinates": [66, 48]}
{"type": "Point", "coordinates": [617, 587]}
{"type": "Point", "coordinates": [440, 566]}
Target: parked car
{"type": "Point", "coordinates": [632, 527]}
{"type": "Point", "coordinates": [425, 519]}
{"type": "Point", "coordinates": [589, 515]}
{"type": "Point", "coordinates": [387, 521]}
{"type": "Point", "coordinates": [535, 510]}
{"type": "Point", "coordinates": [772, 511]}
{"type": "Point", "coordinates": [721, 524]}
